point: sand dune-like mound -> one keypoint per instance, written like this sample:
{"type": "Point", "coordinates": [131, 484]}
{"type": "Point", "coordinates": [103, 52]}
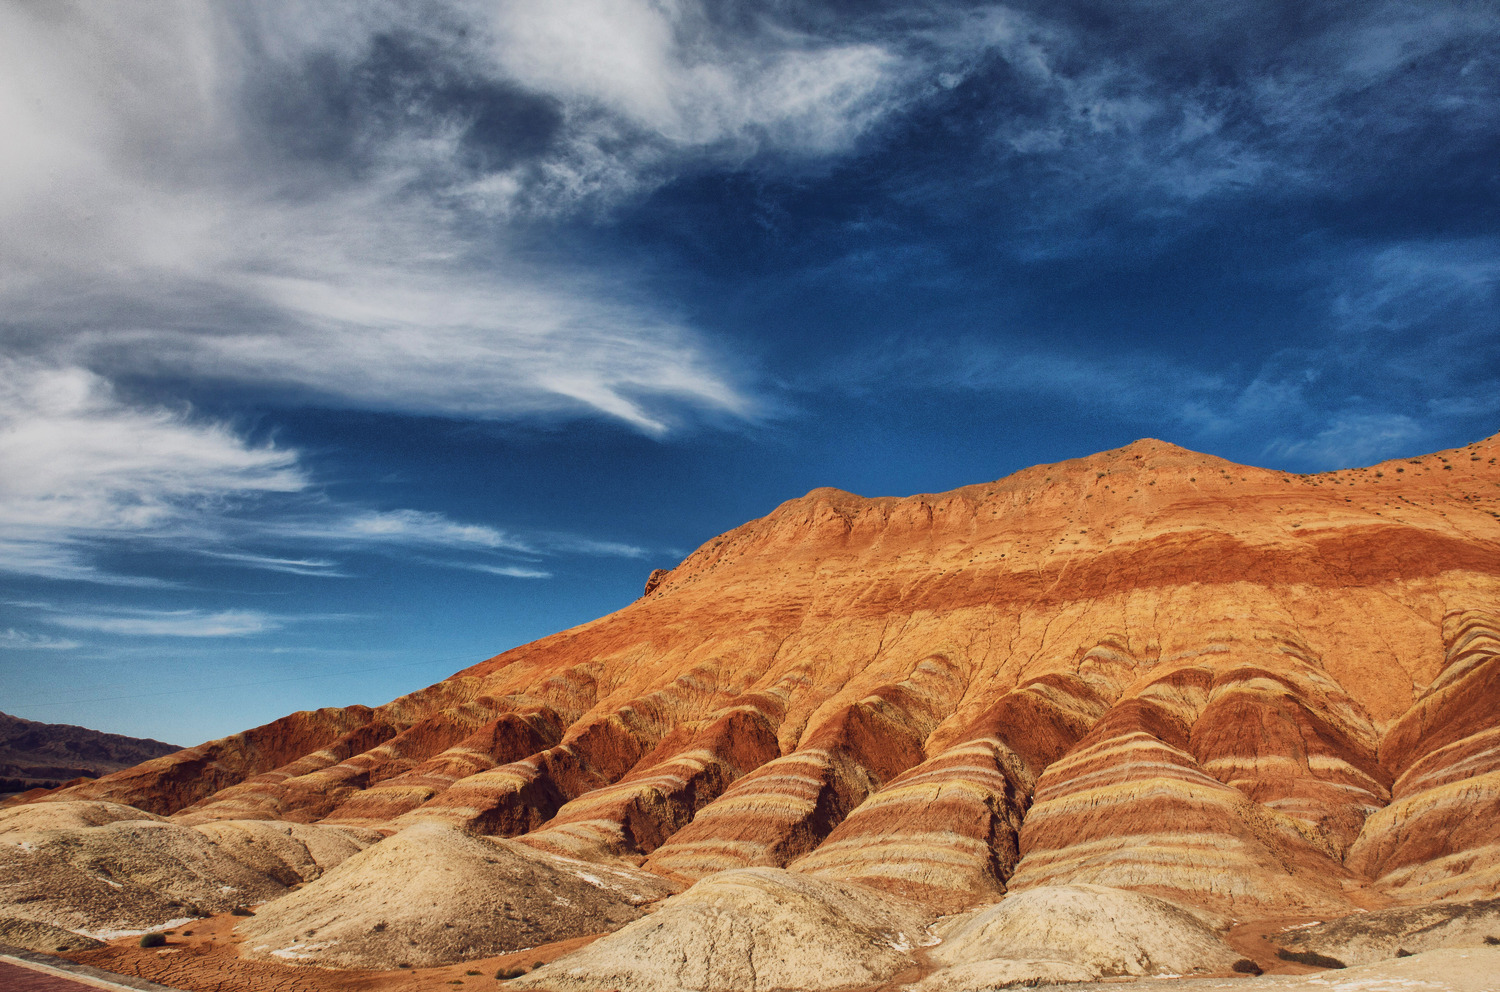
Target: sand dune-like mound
{"type": "Point", "coordinates": [1108, 932]}
{"type": "Point", "coordinates": [32, 935]}
{"type": "Point", "coordinates": [87, 867]}
{"type": "Point", "coordinates": [74, 815]}
{"type": "Point", "coordinates": [749, 930]}
{"type": "Point", "coordinates": [1363, 938]}
{"type": "Point", "coordinates": [287, 852]}
{"type": "Point", "coordinates": [433, 894]}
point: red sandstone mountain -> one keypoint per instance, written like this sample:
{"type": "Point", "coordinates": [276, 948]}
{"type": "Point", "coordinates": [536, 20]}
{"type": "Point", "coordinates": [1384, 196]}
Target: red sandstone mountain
{"type": "Point", "coordinates": [1246, 692]}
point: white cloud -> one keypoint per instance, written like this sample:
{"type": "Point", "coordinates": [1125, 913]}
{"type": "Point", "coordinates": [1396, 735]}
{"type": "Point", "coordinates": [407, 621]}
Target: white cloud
{"type": "Point", "coordinates": [408, 528]}
{"type": "Point", "coordinates": [1352, 439]}
{"type": "Point", "coordinates": [78, 465]}
{"type": "Point", "coordinates": [568, 544]}
{"type": "Point", "coordinates": [509, 571]}
{"type": "Point", "coordinates": [169, 623]}
{"type": "Point", "coordinates": [18, 640]}
{"type": "Point", "coordinates": [290, 566]}
{"type": "Point", "coordinates": [77, 460]}
{"type": "Point", "coordinates": [147, 229]}
{"type": "Point", "coordinates": [660, 67]}
{"type": "Point", "coordinates": [1408, 284]}
{"type": "Point", "coordinates": [82, 469]}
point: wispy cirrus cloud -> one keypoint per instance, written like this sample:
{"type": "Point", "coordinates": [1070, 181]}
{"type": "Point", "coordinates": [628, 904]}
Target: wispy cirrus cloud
{"type": "Point", "coordinates": [409, 528]}
{"type": "Point", "coordinates": [507, 571]}
{"type": "Point", "coordinates": [1363, 386]}
{"type": "Point", "coordinates": [82, 471]}
{"type": "Point", "coordinates": [290, 566]}
{"type": "Point", "coordinates": [80, 467]}
{"type": "Point", "coordinates": [168, 623]}
{"type": "Point", "coordinates": [21, 640]}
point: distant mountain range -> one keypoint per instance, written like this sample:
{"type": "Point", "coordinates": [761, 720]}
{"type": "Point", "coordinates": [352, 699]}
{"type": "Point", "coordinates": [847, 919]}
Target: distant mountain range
{"type": "Point", "coordinates": [44, 755]}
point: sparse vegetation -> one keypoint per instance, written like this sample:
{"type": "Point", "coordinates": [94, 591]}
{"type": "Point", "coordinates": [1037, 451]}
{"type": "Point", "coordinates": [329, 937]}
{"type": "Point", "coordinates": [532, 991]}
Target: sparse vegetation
{"type": "Point", "coordinates": [154, 940]}
{"type": "Point", "coordinates": [471, 971]}
{"type": "Point", "coordinates": [1244, 966]}
{"type": "Point", "coordinates": [506, 974]}
{"type": "Point", "coordinates": [1492, 940]}
{"type": "Point", "coordinates": [1402, 952]}
{"type": "Point", "coordinates": [1312, 958]}
{"type": "Point", "coordinates": [241, 911]}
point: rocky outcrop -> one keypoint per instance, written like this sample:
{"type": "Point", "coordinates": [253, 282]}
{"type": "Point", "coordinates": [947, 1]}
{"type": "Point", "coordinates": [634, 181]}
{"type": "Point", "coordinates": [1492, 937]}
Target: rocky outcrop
{"type": "Point", "coordinates": [788, 806]}
{"type": "Point", "coordinates": [687, 771]}
{"type": "Point", "coordinates": [502, 740]}
{"type": "Point", "coordinates": [946, 831]}
{"type": "Point", "coordinates": [1131, 807]}
{"type": "Point", "coordinates": [173, 782]}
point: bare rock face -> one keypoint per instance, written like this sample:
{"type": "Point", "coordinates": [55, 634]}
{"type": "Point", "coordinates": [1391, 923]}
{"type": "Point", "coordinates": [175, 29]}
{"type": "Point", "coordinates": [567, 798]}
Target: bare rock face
{"type": "Point", "coordinates": [750, 930]}
{"type": "Point", "coordinates": [1247, 693]}
{"type": "Point", "coordinates": [1131, 807]}
{"type": "Point", "coordinates": [1438, 839]}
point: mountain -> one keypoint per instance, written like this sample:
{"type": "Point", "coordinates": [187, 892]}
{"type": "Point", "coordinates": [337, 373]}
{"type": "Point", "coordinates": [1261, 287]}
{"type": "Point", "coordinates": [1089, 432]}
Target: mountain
{"type": "Point", "coordinates": [1242, 694]}
{"type": "Point", "coordinates": [36, 755]}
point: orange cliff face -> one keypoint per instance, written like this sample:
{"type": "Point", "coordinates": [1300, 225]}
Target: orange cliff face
{"type": "Point", "coordinates": [1232, 688]}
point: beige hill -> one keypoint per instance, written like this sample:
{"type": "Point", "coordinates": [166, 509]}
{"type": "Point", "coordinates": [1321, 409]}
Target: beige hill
{"type": "Point", "coordinates": [750, 930]}
{"type": "Point", "coordinates": [1363, 938]}
{"type": "Point", "coordinates": [1107, 932]}
{"type": "Point", "coordinates": [434, 895]}
{"type": "Point", "coordinates": [100, 868]}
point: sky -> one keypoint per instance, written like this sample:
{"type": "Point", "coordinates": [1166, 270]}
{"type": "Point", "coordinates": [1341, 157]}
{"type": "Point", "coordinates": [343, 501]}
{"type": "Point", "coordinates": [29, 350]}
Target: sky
{"type": "Point", "coordinates": [346, 344]}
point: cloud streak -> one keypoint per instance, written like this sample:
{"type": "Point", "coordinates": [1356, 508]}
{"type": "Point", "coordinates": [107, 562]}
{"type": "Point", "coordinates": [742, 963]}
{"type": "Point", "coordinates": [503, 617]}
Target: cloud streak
{"type": "Point", "coordinates": [12, 639]}
{"type": "Point", "coordinates": [84, 471]}
{"type": "Point", "coordinates": [81, 466]}
{"type": "Point", "coordinates": [170, 623]}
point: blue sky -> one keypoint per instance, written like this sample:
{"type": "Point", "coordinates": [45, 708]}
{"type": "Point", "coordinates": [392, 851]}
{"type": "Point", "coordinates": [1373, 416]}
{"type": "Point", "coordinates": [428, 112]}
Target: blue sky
{"type": "Point", "coordinates": [345, 344]}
